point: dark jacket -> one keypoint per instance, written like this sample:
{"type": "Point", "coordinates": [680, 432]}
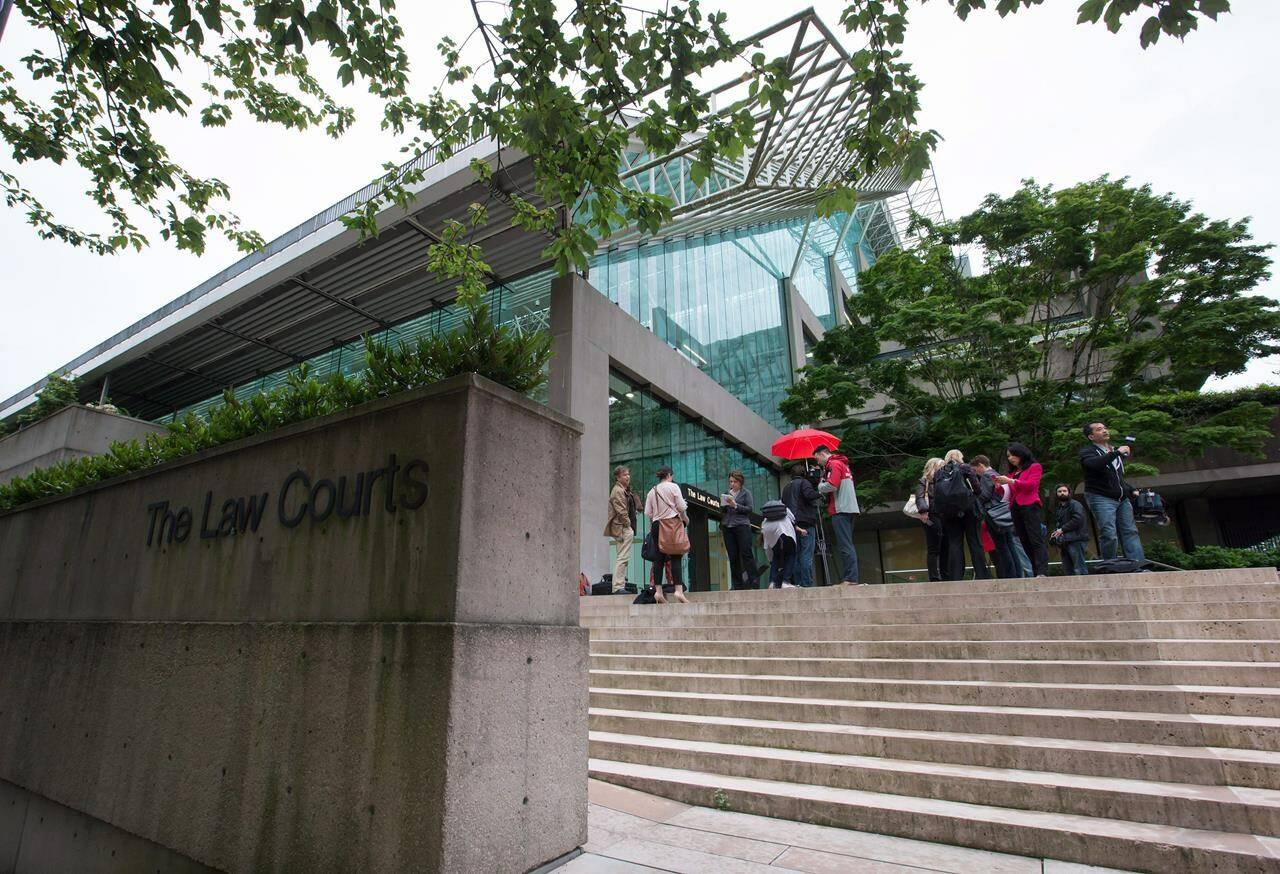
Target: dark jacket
{"type": "Point", "coordinates": [740, 514]}
{"type": "Point", "coordinates": [802, 499]}
{"type": "Point", "coordinates": [1102, 475]}
{"type": "Point", "coordinates": [1071, 520]}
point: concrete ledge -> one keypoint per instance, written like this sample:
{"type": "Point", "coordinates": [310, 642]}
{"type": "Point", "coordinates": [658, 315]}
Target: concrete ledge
{"type": "Point", "coordinates": [72, 432]}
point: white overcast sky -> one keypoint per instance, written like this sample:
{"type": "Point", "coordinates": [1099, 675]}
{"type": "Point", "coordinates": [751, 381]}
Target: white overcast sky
{"type": "Point", "coordinates": [1033, 95]}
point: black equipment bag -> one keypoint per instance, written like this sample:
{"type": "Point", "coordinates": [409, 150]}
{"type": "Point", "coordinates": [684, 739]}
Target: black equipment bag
{"type": "Point", "coordinates": [645, 596]}
{"type": "Point", "coordinates": [628, 588]}
{"type": "Point", "coordinates": [951, 494]}
{"type": "Point", "coordinates": [1119, 566]}
{"type": "Point", "coordinates": [604, 587]}
{"type": "Point", "coordinates": [1148, 505]}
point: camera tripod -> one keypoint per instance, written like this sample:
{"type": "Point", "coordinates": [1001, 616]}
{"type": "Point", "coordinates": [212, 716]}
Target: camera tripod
{"type": "Point", "coordinates": [820, 546]}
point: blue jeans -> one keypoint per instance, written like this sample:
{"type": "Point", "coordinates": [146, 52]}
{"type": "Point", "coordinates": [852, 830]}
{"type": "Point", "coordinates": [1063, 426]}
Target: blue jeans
{"type": "Point", "coordinates": [1115, 517]}
{"type": "Point", "coordinates": [804, 556]}
{"type": "Point", "coordinates": [842, 524]}
{"type": "Point", "coordinates": [1020, 557]}
{"type": "Point", "coordinates": [1007, 567]}
{"type": "Point", "coordinates": [1073, 561]}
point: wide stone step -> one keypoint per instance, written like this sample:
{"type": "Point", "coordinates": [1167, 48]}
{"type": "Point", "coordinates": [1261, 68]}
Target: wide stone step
{"type": "Point", "coordinates": [1220, 808]}
{"type": "Point", "coordinates": [678, 616]}
{"type": "Point", "coordinates": [1209, 766]}
{"type": "Point", "coordinates": [1204, 673]}
{"type": "Point", "coordinates": [1231, 700]}
{"type": "Point", "coordinates": [1178, 729]}
{"type": "Point", "coordinates": [842, 597]}
{"type": "Point", "coordinates": [1070, 837]}
{"type": "Point", "coordinates": [1112, 582]}
{"type": "Point", "coordinates": [1207, 629]}
{"type": "Point", "coordinates": [1100, 650]}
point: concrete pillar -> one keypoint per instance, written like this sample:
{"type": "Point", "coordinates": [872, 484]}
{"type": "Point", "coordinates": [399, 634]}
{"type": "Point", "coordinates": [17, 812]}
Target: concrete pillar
{"type": "Point", "coordinates": [579, 387]}
{"type": "Point", "coordinates": [1199, 524]}
{"type": "Point", "coordinates": [795, 324]}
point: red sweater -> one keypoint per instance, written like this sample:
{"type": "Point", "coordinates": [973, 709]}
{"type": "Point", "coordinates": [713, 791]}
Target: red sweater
{"type": "Point", "coordinates": [1026, 485]}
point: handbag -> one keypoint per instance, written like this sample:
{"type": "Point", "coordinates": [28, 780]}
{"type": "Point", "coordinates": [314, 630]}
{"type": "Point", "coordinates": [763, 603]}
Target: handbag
{"type": "Point", "coordinates": [912, 509]}
{"type": "Point", "coordinates": [672, 537]}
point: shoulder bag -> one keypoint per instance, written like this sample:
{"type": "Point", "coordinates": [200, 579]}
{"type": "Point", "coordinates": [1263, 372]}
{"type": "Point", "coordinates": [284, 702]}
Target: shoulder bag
{"type": "Point", "coordinates": [672, 537]}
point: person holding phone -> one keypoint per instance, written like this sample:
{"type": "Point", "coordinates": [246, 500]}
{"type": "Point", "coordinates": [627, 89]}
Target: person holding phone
{"type": "Point", "coordinates": [735, 526]}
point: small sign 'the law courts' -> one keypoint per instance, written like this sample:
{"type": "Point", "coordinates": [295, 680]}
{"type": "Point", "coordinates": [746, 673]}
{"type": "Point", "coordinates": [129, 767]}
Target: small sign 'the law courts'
{"type": "Point", "coordinates": [299, 498]}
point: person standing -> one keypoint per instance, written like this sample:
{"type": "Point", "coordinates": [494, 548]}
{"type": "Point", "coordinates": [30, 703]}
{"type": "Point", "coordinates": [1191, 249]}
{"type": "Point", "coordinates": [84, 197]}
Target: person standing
{"type": "Point", "coordinates": [801, 499]}
{"type": "Point", "coordinates": [621, 527]}
{"type": "Point", "coordinates": [842, 505]}
{"type": "Point", "coordinates": [1107, 493]}
{"type": "Point", "coordinates": [961, 521]}
{"type": "Point", "coordinates": [934, 542]}
{"type": "Point", "coordinates": [780, 535]}
{"type": "Point", "coordinates": [665, 501]}
{"type": "Point", "coordinates": [993, 503]}
{"type": "Point", "coordinates": [1071, 532]}
{"type": "Point", "coordinates": [735, 525]}
{"type": "Point", "coordinates": [1025, 504]}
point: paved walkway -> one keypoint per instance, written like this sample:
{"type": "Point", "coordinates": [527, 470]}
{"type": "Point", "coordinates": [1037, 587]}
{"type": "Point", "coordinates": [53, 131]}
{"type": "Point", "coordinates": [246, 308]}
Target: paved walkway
{"type": "Point", "coordinates": [631, 832]}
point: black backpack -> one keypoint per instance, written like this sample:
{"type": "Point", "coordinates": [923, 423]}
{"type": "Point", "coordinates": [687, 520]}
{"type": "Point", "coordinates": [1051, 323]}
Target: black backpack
{"type": "Point", "coordinates": [951, 494]}
{"type": "Point", "coordinates": [774, 511]}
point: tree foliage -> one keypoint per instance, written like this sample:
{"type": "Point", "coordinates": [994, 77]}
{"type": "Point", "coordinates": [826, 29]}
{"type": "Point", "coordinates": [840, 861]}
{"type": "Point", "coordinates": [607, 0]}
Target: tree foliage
{"type": "Point", "coordinates": [569, 85]}
{"type": "Point", "coordinates": [1099, 302]}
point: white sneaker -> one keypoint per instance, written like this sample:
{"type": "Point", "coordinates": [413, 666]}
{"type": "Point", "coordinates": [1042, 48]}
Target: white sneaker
{"type": "Point", "coordinates": [789, 586]}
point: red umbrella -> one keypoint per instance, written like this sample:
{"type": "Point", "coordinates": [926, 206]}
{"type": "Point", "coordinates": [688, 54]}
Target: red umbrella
{"type": "Point", "coordinates": [800, 444]}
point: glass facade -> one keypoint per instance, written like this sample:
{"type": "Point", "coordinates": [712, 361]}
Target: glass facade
{"type": "Point", "coordinates": [524, 304]}
{"type": "Point", "coordinates": [645, 434]}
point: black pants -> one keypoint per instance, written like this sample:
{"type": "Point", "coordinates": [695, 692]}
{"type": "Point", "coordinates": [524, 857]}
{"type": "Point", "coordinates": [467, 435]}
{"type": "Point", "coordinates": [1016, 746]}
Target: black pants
{"type": "Point", "coordinates": [1027, 522]}
{"type": "Point", "coordinates": [960, 530]}
{"type": "Point", "coordinates": [742, 560]}
{"type": "Point", "coordinates": [933, 543]}
{"type": "Point", "coordinates": [673, 565]}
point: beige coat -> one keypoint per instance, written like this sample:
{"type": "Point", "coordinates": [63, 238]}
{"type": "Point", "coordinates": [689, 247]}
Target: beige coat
{"type": "Point", "coordinates": [619, 518]}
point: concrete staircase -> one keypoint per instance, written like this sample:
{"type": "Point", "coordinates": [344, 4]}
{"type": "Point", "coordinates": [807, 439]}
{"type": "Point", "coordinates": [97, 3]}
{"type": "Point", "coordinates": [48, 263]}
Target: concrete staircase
{"type": "Point", "coordinates": [1126, 721]}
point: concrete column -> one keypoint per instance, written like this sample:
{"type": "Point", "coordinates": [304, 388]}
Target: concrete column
{"type": "Point", "coordinates": [579, 387]}
{"type": "Point", "coordinates": [1201, 527]}
{"type": "Point", "coordinates": [840, 285]}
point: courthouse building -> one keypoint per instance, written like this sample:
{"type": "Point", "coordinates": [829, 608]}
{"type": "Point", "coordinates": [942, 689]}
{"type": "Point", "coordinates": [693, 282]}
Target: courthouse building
{"type": "Point", "coordinates": [673, 349]}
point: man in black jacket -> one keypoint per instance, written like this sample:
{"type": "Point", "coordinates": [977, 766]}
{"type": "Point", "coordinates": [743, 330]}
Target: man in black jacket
{"type": "Point", "coordinates": [1107, 493]}
{"type": "Point", "coordinates": [1071, 532]}
{"type": "Point", "coordinates": [801, 498]}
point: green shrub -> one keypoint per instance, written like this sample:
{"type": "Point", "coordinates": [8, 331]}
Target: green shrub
{"type": "Point", "coordinates": [60, 391]}
{"type": "Point", "coordinates": [1211, 557]}
{"type": "Point", "coordinates": [478, 346]}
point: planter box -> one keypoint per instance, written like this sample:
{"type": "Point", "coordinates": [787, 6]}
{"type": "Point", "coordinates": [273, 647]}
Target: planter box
{"type": "Point", "coordinates": [350, 644]}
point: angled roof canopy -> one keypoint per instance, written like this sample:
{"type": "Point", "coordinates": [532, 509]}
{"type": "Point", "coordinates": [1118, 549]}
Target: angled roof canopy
{"type": "Point", "coordinates": [319, 285]}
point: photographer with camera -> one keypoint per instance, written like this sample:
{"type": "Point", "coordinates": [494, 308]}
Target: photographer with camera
{"type": "Point", "coordinates": [801, 497]}
{"type": "Point", "coordinates": [1070, 534]}
{"type": "Point", "coordinates": [1107, 493]}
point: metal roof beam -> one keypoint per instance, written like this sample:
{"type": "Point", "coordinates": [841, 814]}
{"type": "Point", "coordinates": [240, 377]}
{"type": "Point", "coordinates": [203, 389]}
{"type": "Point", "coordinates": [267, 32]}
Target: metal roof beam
{"type": "Point", "coordinates": [346, 304]}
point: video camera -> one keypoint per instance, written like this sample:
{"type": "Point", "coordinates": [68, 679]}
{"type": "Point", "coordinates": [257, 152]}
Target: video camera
{"type": "Point", "coordinates": [814, 475]}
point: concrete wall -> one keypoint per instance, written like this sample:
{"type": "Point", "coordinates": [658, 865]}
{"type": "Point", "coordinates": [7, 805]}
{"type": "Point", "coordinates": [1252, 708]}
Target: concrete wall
{"type": "Point", "coordinates": [590, 335]}
{"type": "Point", "coordinates": [71, 432]}
{"type": "Point", "coordinates": [402, 688]}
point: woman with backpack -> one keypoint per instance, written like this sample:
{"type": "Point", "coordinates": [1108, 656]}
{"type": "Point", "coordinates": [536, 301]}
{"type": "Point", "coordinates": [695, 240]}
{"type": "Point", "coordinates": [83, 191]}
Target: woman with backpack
{"type": "Point", "coordinates": [955, 491]}
{"type": "Point", "coordinates": [666, 506]}
{"type": "Point", "coordinates": [1028, 511]}
{"type": "Point", "coordinates": [934, 541]}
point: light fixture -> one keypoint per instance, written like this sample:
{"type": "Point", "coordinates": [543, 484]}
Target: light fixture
{"type": "Point", "coordinates": [630, 395]}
